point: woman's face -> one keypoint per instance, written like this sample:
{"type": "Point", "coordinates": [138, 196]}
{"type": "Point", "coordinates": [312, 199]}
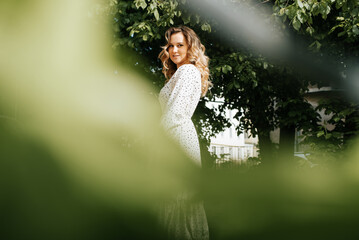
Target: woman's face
{"type": "Point", "coordinates": [178, 48]}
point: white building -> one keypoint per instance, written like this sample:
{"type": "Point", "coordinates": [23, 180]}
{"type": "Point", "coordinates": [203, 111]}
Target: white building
{"type": "Point", "coordinates": [227, 145]}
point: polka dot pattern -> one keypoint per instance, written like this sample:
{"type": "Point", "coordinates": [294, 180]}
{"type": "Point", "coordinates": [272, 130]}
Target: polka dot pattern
{"type": "Point", "coordinates": [179, 99]}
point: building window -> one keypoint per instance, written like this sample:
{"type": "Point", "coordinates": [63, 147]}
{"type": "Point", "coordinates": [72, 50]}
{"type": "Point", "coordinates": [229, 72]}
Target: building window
{"type": "Point", "coordinates": [297, 146]}
{"type": "Point", "coordinates": [249, 152]}
{"type": "Point", "coordinates": [214, 149]}
{"type": "Point", "coordinates": [240, 154]}
{"type": "Point", "coordinates": [245, 153]}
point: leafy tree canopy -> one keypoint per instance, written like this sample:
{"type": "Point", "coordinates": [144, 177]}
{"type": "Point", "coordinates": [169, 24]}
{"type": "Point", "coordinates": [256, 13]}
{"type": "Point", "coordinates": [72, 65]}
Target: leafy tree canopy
{"type": "Point", "coordinates": [266, 94]}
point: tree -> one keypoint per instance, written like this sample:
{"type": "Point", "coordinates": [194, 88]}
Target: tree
{"type": "Point", "coordinates": [246, 82]}
{"type": "Point", "coordinates": [267, 95]}
{"type": "Point", "coordinates": [330, 27]}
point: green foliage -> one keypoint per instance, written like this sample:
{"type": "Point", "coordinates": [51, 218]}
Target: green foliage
{"type": "Point", "coordinates": [331, 25]}
{"type": "Point", "coordinates": [145, 21]}
{"type": "Point", "coordinates": [245, 82]}
{"type": "Point", "coordinates": [337, 134]}
{"type": "Point", "coordinates": [266, 95]}
{"type": "Point", "coordinates": [322, 19]}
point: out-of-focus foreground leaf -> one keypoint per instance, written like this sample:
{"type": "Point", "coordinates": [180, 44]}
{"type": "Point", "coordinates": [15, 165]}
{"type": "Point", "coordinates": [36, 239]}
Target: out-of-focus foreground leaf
{"type": "Point", "coordinates": [284, 202]}
{"type": "Point", "coordinates": [86, 141]}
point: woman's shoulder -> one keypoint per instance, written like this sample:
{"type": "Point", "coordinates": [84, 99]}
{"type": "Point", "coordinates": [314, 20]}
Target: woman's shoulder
{"type": "Point", "coordinates": [188, 69]}
{"type": "Point", "coordinates": [188, 66]}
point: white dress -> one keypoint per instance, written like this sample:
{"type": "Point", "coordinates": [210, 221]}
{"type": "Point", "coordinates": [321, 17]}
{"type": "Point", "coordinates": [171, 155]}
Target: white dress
{"type": "Point", "coordinates": [183, 218]}
{"type": "Point", "coordinates": [179, 99]}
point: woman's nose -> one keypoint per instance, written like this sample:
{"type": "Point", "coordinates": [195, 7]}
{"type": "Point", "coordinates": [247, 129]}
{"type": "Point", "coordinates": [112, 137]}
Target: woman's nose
{"type": "Point", "coordinates": [175, 49]}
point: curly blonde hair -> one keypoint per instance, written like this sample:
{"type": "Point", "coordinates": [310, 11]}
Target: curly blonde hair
{"type": "Point", "coordinates": [196, 56]}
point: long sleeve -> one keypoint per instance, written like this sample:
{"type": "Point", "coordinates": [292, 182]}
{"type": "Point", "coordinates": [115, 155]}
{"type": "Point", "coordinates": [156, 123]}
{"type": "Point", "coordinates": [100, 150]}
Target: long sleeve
{"type": "Point", "coordinates": [183, 98]}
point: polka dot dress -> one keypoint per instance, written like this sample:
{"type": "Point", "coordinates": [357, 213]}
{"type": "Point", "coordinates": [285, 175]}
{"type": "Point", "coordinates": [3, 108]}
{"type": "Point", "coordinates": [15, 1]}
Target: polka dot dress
{"type": "Point", "coordinates": [179, 99]}
{"type": "Point", "coordinates": [183, 218]}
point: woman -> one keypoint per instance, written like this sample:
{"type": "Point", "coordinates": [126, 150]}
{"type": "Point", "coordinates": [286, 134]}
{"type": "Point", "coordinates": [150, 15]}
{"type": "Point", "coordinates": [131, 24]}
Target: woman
{"type": "Point", "coordinates": [185, 67]}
